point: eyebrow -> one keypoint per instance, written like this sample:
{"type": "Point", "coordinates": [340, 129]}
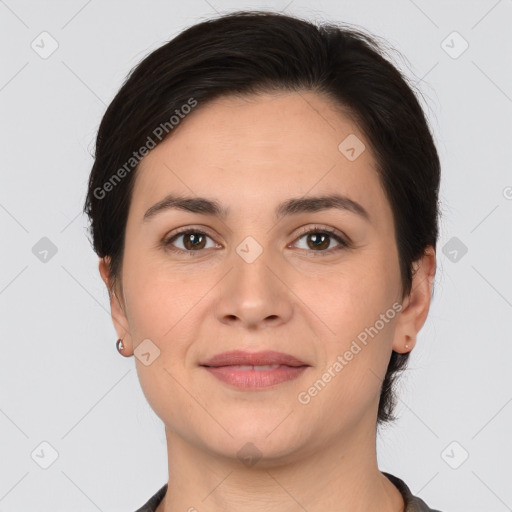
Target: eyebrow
{"type": "Point", "coordinates": [291, 206]}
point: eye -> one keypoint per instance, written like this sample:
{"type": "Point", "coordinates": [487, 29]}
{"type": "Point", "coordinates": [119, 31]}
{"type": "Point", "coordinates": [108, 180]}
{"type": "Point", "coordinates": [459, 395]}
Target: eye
{"type": "Point", "coordinates": [320, 239]}
{"type": "Point", "coordinates": [193, 240]}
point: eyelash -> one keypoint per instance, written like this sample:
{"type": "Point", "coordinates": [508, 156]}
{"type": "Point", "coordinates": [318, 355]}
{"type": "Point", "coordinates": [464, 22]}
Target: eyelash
{"type": "Point", "coordinates": [343, 244]}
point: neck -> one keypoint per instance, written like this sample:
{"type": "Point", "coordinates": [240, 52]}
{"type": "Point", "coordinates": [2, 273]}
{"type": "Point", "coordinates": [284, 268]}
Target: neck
{"type": "Point", "coordinates": [342, 478]}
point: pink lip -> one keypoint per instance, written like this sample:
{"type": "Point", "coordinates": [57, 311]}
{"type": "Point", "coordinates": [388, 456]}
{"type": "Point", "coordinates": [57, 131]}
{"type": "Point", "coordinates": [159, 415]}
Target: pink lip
{"type": "Point", "coordinates": [226, 367]}
{"type": "Point", "coordinates": [240, 357]}
{"type": "Point", "coordinates": [254, 379]}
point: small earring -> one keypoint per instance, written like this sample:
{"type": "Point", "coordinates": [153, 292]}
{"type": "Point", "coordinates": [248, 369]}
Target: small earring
{"type": "Point", "coordinates": [120, 347]}
{"type": "Point", "coordinates": [406, 346]}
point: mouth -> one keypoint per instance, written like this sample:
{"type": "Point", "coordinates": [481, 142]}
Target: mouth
{"type": "Point", "coordinates": [246, 370]}
{"type": "Point", "coordinates": [263, 358]}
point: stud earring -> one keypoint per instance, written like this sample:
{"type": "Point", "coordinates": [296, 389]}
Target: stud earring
{"type": "Point", "coordinates": [120, 347]}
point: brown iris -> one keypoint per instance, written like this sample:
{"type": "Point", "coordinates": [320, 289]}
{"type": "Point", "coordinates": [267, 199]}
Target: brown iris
{"type": "Point", "coordinates": [319, 240]}
{"type": "Point", "coordinates": [194, 239]}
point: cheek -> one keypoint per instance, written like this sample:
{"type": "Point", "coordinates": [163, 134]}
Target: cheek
{"type": "Point", "coordinates": [354, 295]}
{"type": "Point", "coordinates": [348, 382]}
{"type": "Point", "coordinates": [161, 308]}
{"type": "Point", "coordinates": [159, 298]}
{"type": "Point", "coordinates": [356, 303]}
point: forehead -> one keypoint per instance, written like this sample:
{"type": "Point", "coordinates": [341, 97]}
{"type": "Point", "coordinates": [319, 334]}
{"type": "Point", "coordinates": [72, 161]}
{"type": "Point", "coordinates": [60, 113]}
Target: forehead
{"type": "Point", "coordinates": [266, 146]}
{"type": "Point", "coordinates": [305, 122]}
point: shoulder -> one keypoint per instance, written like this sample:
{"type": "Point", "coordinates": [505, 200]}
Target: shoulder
{"type": "Point", "coordinates": [412, 503]}
{"type": "Point", "coordinates": [154, 501]}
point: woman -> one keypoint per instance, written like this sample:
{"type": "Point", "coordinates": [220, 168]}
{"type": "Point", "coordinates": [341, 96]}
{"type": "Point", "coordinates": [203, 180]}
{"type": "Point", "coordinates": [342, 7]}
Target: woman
{"type": "Point", "coordinates": [264, 203]}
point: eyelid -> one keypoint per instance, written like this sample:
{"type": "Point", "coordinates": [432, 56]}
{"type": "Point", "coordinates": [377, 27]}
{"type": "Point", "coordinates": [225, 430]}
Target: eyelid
{"type": "Point", "coordinates": [343, 241]}
{"type": "Point", "coordinates": [166, 241]}
{"type": "Point", "coordinates": [324, 229]}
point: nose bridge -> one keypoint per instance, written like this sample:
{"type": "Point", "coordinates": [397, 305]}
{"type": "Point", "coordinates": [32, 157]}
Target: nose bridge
{"type": "Point", "coordinates": [252, 276]}
{"type": "Point", "coordinates": [252, 292]}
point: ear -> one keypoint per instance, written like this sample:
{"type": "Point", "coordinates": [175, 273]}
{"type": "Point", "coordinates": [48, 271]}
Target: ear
{"type": "Point", "coordinates": [416, 305]}
{"type": "Point", "coordinates": [117, 307]}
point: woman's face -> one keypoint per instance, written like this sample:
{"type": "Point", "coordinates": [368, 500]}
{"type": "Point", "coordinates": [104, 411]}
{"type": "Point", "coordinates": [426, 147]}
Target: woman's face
{"type": "Point", "coordinates": [254, 281]}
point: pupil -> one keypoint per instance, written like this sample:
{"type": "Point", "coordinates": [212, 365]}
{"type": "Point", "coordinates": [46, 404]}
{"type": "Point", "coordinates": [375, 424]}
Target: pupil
{"type": "Point", "coordinates": [194, 239]}
{"type": "Point", "coordinates": [318, 239]}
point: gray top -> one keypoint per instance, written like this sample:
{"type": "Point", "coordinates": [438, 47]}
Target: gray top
{"type": "Point", "coordinates": [412, 503]}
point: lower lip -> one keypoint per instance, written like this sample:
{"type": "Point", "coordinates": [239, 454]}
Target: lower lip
{"type": "Point", "coordinates": [255, 379]}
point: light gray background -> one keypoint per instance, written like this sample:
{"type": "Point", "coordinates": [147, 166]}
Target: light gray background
{"type": "Point", "coordinates": [61, 379]}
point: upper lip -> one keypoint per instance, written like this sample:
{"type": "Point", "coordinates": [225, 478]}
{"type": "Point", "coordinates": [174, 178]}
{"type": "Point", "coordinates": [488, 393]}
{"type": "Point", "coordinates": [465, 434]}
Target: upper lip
{"type": "Point", "coordinates": [240, 357]}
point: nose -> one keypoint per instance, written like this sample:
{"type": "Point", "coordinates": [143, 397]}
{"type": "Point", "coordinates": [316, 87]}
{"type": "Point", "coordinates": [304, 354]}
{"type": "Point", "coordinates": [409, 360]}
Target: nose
{"type": "Point", "coordinates": [254, 294]}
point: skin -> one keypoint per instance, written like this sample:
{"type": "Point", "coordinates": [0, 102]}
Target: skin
{"type": "Point", "coordinates": [250, 154]}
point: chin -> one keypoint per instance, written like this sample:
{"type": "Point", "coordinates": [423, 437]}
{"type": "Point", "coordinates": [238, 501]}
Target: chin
{"type": "Point", "coordinates": [253, 436]}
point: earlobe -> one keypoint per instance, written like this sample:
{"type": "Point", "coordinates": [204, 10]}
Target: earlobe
{"type": "Point", "coordinates": [417, 303]}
